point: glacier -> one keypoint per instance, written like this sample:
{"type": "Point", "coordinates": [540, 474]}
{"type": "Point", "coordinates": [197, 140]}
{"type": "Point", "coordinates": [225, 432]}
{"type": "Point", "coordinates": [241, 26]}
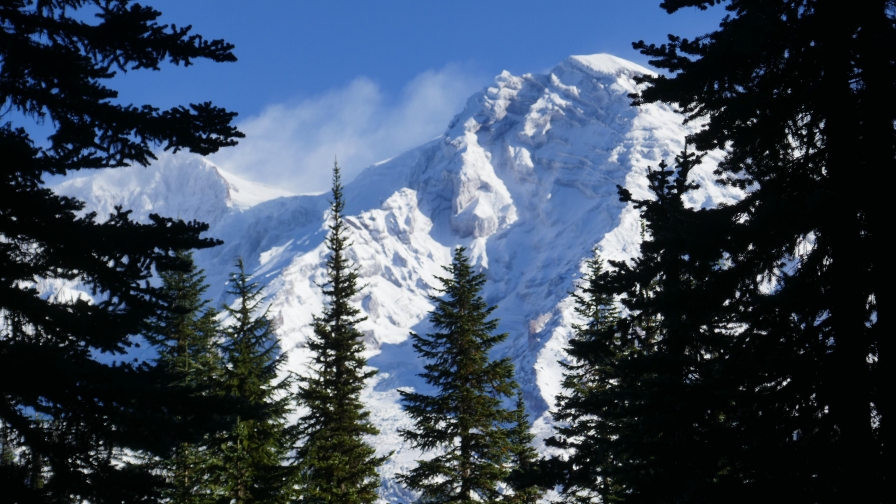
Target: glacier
{"type": "Point", "coordinates": [525, 177]}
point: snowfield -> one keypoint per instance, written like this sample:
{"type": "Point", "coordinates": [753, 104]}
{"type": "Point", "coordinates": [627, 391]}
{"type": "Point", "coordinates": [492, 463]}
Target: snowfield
{"type": "Point", "coordinates": [525, 177]}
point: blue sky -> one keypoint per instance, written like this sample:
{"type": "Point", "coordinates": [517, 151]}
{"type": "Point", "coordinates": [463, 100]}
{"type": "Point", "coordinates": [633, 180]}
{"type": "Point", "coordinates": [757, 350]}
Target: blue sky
{"type": "Point", "coordinates": [366, 80]}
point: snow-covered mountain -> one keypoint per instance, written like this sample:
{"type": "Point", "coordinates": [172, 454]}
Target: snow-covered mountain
{"type": "Point", "coordinates": [183, 186]}
{"type": "Point", "coordinates": [525, 177]}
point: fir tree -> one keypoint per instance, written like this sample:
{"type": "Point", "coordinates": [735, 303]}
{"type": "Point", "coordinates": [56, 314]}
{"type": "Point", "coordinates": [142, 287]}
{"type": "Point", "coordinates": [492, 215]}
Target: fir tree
{"type": "Point", "coordinates": [595, 350]}
{"type": "Point", "coordinates": [643, 413]}
{"type": "Point", "coordinates": [185, 335]}
{"type": "Point", "coordinates": [524, 472]}
{"type": "Point", "coordinates": [55, 64]}
{"type": "Point", "coordinates": [252, 455]}
{"type": "Point", "coordinates": [465, 422]}
{"type": "Point", "coordinates": [337, 464]}
{"type": "Point", "coordinates": [801, 275]}
{"type": "Point", "coordinates": [668, 405]}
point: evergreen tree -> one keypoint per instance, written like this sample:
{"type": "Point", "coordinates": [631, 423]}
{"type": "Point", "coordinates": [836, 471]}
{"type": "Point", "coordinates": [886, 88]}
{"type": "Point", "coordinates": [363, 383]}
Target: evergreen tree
{"type": "Point", "coordinates": [53, 68]}
{"type": "Point", "coordinates": [765, 372]}
{"type": "Point", "coordinates": [337, 465]}
{"type": "Point", "coordinates": [185, 335]}
{"type": "Point", "coordinates": [523, 477]}
{"type": "Point", "coordinates": [465, 422]}
{"type": "Point", "coordinates": [595, 351]}
{"type": "Point", "coordinates": [669, 405]}
{"type": "Point", "coordinates": [644, 423]}
{"type": "Point", "coordinates": [253, 453]}
{"type": "Point", "coordinates": [806, 114]}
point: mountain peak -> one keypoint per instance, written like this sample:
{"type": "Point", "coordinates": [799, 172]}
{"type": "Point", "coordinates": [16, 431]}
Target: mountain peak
{"type": "Point", "coordinates": [607, 64]}
{"type": "Point", "coordinates": [525, 176]}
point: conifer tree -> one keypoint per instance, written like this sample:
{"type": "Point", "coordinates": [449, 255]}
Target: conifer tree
{"type": "Point", "coordinates": [595, 351]}
{"type": "Point", "coordinates": [252, 455]}
{"type": "Point", "coordinates": [802, 274]}
{"type": "Point", "coordinates": [185, 335]}
{"type": "Point", "coordinates": [649, 427]}
{"type": "Point", "coordinates": [523, 477]}
{"type": "Point", "coordinates": [465, 423]}
{"type": "Point", "coordinates": [55, 66]}
{"type": "Point", "coordinates": [669, 405]}
{"type": "Point", "coordinates": [336, 463]}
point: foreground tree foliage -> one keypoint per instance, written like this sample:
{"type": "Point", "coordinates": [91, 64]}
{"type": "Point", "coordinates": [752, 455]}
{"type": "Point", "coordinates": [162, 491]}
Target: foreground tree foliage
{"type": "Point", "coordinates": [765, 375]}
{"type": "Point", "coordinates": [523, 463]}
{"type": "Point", "coordinates": [336, 464]}
{"type": "Point", "coordinates": [807, 114]}
{"type": "Point", "coordinates": [478, 443]}
{"type": "Point", "coordinates": [186, 336]}
{"type": "Point", "coordinates": [644, 415]}
{"type": "Point", "coordinates": [80, 412]}
{"type": "Point", "coordinates": [595, 352]}
{"type": "Point", "coordinates": [251, 456]}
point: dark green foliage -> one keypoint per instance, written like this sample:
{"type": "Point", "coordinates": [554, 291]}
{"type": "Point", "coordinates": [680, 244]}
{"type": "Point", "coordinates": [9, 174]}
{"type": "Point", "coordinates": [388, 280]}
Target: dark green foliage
{"type": "Point", "coordinates": [252, 454]}
{"type": "Point", "coordinates": [670, 406]}
{"type": "Point", "coordinates": [8, 445]}
{"type": "Point", "coordinates": [16, 465]}
{"type": "Point", "coordinates": [595, 351]}
{"type": "Point", "coordinates": [764, 375]}
{"type": "Point", "coordinates": [646, 410]}
{"type": "Point", "coordinates": [806, 108]}
{"type": "Point", "coordinates": [52, 69]}
{"type": "Point", "coordinates": [185, 332]}
{"type": "Point", "coordinates": [185, 335]}
{"type": "Point", "coordinates": [336, 464]}
{"type": "Point", "coordinates": [464, 423]}
{"type": "Point", "coordinates": [523, 475]}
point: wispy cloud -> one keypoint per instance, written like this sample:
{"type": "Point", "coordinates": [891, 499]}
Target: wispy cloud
{"type": "Point", "coordinates": [293, 145]}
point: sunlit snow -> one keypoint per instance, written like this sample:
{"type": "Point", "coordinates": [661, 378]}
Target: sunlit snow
{"type": "Point", "coordinates": [525, 176]}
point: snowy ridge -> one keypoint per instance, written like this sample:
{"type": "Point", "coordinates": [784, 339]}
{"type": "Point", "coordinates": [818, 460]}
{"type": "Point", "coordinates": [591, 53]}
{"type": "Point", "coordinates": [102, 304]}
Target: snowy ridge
{"type": "Point", "coordinates": [182, 186]}
{"type": "Point", "coordinates": [525, 177]}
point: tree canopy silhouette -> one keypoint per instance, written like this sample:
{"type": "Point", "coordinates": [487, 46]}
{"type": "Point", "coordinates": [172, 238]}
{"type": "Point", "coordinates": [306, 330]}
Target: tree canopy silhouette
{"type": "Point", "coordinates": [764, 371]}
{"type": "Point", "coordinates": [71, 411]}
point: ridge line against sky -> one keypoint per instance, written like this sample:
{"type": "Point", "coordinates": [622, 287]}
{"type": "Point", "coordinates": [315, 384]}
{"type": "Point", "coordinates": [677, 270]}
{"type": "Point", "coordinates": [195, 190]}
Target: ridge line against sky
{"type": "Point", "coordinates": [293, 145]}
{"type": "Point", "coordinates": [365, 81]}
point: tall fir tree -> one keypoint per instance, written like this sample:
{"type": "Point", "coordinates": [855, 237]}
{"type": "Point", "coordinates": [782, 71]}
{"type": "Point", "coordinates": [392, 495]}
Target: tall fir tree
{"type": "Point", "coordinates": [337, 464]}
{"type": "Point", "coordinates": [185, 335]}
{"type": "Point", "coordinates": [594, 351]}
{"type": "Point", "coordinates": [765, 376]}
{"type": "Point", "coordinates": [465, 422]}
{"type": "Point", "coordinates": [55, 66]}
{"type": "Point", "coordinates": [252, 456]}
{"type": "Point", "coordinates": [524, 477]}
{"type": "Point", "coordinates": [676, 410]}
{"type": "Point", "coordinates": [805, 116]}
{"type": "Point", "coordinates": [652, 427]}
